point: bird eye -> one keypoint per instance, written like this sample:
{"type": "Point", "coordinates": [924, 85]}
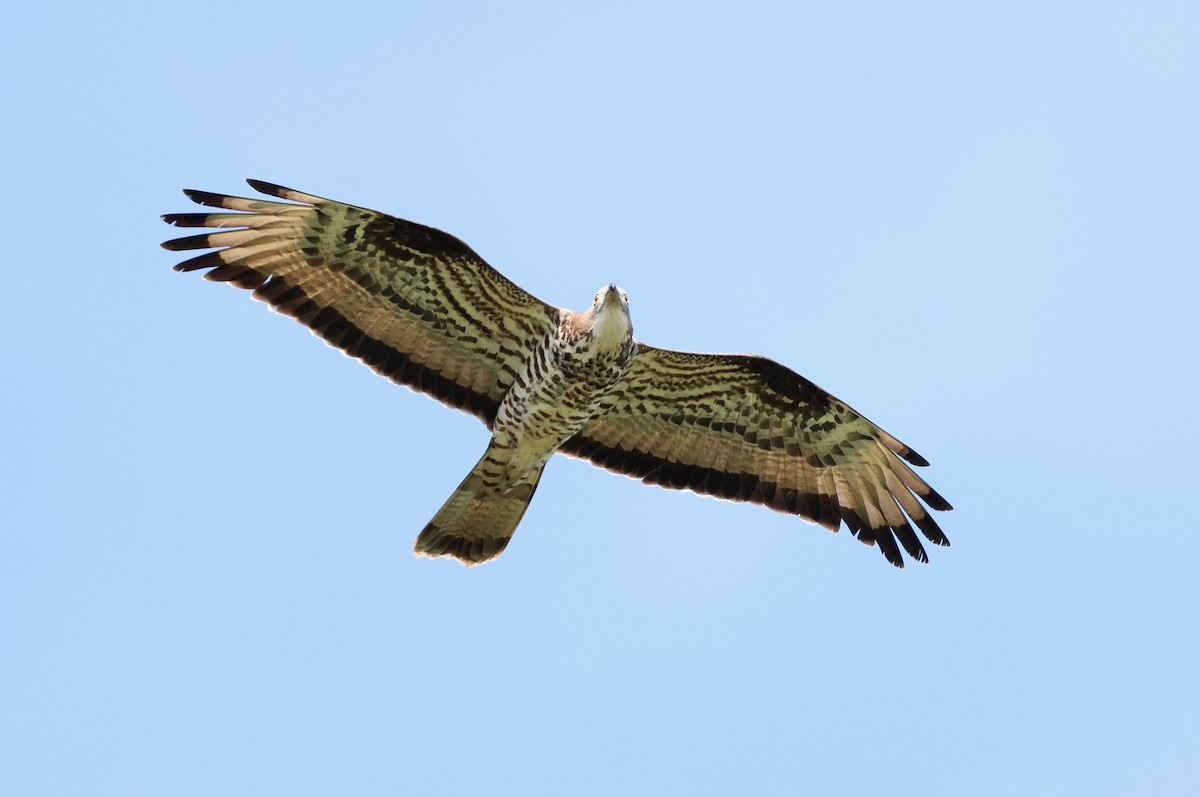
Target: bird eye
{"type": "Point", "coordinates": [626, 298]}
{"type": "Point", "coordinates": [595, 300]}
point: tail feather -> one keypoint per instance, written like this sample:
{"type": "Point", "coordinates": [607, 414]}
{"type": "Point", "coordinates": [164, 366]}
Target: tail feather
{"type": "Point", "coordinates": [477, 521]}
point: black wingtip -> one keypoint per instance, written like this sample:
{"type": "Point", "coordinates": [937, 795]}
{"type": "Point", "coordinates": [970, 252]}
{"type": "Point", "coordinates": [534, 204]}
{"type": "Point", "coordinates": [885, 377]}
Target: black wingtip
{"type": "Point", "coordinates": [908, 538]}
{"type": "Point", "coordinates": [187, 242]}
{"type": "Point", "coordinates": [931, 530]}
{"type": "Point", "coordinates": [888, 546]}
{"type": "Point", "coordinates": [935, 500]}
{"type": "Point", "coordinates": [916, 459]}
{"type": "Point", "coordinates": [270, 189]}
{"type": "Point", "coordinates": [186, 219]}
{"type": "Point", "coordinates": [207, 198]}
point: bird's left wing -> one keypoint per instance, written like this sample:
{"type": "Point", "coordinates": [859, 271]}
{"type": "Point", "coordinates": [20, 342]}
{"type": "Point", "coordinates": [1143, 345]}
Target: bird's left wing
{"type": "Point", "coordinates": [746, 428]}
{"type": "Point", "coordinates": [415, 304]}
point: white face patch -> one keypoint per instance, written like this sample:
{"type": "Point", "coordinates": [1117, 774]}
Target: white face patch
{"type": "Point", "coordinates": [612, 325]}
{"type": "Point", "coordinates": [600, 294]}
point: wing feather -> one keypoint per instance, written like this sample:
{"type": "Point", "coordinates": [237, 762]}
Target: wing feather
{"type": "Point", "coordinates": [415, 304]}
{"type": "Point", "coordinates": [746, 428]}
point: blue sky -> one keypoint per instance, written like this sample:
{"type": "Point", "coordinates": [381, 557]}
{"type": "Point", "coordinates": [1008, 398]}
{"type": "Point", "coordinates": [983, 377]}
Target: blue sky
{"type": "Point", "coordinates": [977, 223]}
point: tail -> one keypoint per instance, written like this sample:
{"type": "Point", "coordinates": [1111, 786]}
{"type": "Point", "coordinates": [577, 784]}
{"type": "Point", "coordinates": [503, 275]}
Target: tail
{"type": "Point", "coordinates": [477, 521]}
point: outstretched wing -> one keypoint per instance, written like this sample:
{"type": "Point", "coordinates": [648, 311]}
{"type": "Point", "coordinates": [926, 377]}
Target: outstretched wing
{"type": "Point", "coordinates": [746, 428]}
{"type": "Point", "coordinates": [413, 303]}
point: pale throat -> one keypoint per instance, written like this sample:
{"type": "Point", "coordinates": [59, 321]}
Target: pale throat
{"type": "Point", "coordinates": [610, 330]}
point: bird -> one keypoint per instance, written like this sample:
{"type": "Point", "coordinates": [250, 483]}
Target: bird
{"type": "Point", "coordinates": [421, 308]}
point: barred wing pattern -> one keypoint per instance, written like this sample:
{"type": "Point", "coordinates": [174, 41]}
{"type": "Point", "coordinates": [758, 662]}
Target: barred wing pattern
{"type": "Point", "coordinates": [415, 304]}
{"type": "Point", "coordinates": [746, 428]}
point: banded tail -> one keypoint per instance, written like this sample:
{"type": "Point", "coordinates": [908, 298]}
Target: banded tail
{"type": "Point", "coordinates": [479, 518]}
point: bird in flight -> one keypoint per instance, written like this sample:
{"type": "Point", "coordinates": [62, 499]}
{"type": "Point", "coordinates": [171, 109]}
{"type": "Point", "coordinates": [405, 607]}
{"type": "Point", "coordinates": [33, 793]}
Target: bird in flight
{"type": "Point", "coordinates": [419, 307]}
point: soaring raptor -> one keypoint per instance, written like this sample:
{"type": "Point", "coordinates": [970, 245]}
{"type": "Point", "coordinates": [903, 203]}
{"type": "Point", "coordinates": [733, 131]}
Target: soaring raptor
{"type": "Point", "coordinates": [420, 307]}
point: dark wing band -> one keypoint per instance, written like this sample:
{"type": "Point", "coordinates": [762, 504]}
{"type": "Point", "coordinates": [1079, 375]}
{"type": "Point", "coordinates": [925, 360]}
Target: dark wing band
{"type": "Point", "coordinates": [415, 304]}
{"type": "Point", "coordinates": [746, 428]}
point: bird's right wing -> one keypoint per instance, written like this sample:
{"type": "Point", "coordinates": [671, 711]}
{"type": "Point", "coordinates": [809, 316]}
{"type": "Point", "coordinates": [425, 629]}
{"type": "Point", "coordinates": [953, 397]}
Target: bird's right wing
{"type": "Point", "coordinates": [415, 304]}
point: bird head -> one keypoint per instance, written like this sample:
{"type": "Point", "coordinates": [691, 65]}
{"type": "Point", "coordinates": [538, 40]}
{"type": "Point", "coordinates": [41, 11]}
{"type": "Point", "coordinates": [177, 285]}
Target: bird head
{"type": "Point", "coordinates": [610, 314]}
{"type": "Point", "coordinates": [610, 295]}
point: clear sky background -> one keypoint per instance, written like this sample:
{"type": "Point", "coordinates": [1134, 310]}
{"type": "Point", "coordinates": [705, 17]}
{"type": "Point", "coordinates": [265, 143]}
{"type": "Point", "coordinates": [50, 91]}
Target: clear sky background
{"type": "Point", "coordinates": [979, 224]}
